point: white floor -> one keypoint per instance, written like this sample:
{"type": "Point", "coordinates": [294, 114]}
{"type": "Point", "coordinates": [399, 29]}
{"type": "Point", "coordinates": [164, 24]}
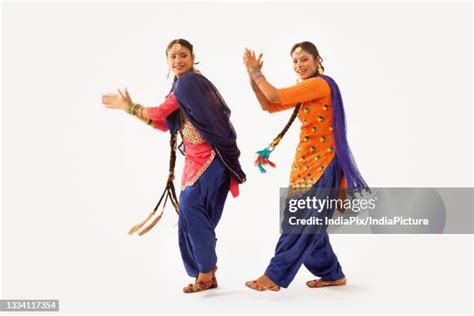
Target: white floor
{"type": "Point", "coordinates": [386, 273]}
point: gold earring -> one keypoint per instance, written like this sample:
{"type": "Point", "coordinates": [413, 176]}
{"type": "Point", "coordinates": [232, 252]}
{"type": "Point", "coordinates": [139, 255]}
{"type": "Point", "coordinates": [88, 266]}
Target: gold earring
{"type": "Point", "coordinates": [320, 69]}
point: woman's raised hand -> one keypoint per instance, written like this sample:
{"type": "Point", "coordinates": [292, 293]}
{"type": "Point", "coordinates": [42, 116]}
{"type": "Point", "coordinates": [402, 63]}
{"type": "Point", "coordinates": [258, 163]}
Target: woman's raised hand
{"type": "Point", "coordinates": [120, 100]}
{"type": "Point", "coordinates": [252, 62]}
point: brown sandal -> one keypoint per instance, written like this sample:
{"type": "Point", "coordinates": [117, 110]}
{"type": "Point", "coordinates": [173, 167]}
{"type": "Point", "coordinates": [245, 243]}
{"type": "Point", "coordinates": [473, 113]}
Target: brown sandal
{"type": "Point", "coordinates": [202, 285]}
{"type": "Point", "coordinates": [214, 280]}
{"type": "Point", "coordinates": [323, 283]}
{"type": "Point", "coordinates": [198, 287]}
{"type": "Point", "coordinates": [258, 286]}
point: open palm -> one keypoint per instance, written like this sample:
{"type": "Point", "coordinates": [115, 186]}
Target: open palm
{"type": "Point", "coordinates": [120, 100]}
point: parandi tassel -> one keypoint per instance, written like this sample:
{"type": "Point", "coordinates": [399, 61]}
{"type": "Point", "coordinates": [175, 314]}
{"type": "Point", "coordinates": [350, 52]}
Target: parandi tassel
{"type": "Point", "coordinates": [168, 193]}
{"type": "Point", "coordinates": [140, 225]}
{"type": "Point", "coordinates": [264, 155]}
{"type": "Point", "coordinates": [263, 160]}
{"type": "Point", "coordinates": [155, 221]}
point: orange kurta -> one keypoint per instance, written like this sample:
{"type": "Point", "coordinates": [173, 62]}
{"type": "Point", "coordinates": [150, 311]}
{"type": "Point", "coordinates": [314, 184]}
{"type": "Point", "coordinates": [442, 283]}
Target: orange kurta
{"type": "Point", "coordinates": [315, 150]}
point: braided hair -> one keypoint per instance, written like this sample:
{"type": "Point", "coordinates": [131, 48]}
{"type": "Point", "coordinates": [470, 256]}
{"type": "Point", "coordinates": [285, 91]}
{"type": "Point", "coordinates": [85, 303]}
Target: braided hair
{"type": "Point", "coordinates": [174, 137]}
{"type": "Point", "coordinates": [169, 191]}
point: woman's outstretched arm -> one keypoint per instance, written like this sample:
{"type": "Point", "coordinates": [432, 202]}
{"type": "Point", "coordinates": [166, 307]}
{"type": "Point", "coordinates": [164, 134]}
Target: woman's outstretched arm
{"type": "Point", "coordinates": [154, 116]}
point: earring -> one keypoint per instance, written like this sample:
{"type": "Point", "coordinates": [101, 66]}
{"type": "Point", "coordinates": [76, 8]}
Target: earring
{"type": "Point", "coordinates": [320, 69]}
{"type": "Point", "coordinates": [168, 75]}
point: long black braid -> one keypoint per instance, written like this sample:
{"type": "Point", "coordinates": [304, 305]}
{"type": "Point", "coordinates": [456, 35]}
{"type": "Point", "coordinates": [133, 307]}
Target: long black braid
{"type": "Point", "coordinates": [169, 191]}
{"type": "Point", "coordinates": [277, 139]}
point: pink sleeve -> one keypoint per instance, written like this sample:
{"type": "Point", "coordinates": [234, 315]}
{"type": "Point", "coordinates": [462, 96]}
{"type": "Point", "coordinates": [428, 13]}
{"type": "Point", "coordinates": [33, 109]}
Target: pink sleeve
{"type": "Point", "coordinates": [159, 113]}
{"type": "Point", "coordinates": [161, 125]}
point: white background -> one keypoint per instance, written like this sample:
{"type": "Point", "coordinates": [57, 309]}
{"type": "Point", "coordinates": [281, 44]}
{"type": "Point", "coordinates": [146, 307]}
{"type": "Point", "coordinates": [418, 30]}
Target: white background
{"type": "Point", "coordinates": [76, 177]}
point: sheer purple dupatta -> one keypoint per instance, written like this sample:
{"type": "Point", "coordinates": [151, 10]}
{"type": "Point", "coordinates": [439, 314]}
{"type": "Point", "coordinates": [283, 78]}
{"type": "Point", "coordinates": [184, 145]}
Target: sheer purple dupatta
{"type": "Point", "coordinates": [355, 182]}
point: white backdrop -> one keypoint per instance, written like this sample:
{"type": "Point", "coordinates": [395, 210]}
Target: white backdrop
{"type": "Point", "coordinates": [76, 177]}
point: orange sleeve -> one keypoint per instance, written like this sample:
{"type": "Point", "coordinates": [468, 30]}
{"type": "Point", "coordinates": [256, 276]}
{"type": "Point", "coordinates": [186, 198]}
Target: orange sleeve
{"type": "Point", "coordinates": [307, 90]}
{"type": "Point", "coordinates": [276, 107]}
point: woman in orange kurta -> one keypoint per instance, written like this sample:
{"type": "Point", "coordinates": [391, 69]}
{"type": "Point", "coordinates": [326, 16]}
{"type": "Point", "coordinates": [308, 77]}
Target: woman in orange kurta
{"type": "Point", "coordinates": [315, 150]}
{"type": "Point", "coordinates": [322, 165]}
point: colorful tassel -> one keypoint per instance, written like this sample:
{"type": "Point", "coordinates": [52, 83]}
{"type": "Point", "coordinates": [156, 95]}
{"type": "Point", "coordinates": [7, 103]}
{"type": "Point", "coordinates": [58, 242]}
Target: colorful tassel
{"type": "Point", "coordinates": [263, 159]}
{"type": "Point", "coordinates": [264, 155]}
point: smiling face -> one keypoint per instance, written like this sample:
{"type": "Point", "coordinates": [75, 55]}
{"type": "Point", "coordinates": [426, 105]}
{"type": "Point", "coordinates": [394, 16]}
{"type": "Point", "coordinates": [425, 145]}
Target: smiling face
{"type": "Point", "coordinates": [304, 63]}
{"type": "Point", "coordinates": [180, 59]}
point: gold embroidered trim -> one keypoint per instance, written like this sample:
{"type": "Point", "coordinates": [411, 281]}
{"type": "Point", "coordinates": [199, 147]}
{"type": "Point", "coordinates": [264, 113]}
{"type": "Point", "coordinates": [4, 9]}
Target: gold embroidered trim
{"type": "Point", "coordinates": [292, 190]}
{"type": "Point", "coordinates": [191, 134]}
{"type": "Point", "coordinates": [200, 171]}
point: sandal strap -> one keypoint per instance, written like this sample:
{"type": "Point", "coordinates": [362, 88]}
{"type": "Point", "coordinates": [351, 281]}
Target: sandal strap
{"type": "Point", "coordinates": [255, 284]}
{"type": "Point", "coordinates": [198, 286]}
{"type": "Point", "coordinates": [258, 286]}
{"type": "Point", "coordinates": [203, 284]}
{"type": "Point", "coordinates": [321, 282]}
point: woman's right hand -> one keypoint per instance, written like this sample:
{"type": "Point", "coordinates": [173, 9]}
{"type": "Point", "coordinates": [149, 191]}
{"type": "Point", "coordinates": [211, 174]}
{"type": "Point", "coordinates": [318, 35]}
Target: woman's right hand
{"type": "Point", "coordinates": [259, 66]}
{"type": "Point", "coordinates": [251, 61]}
{"type": "Point", "coordinates": [120, 100]}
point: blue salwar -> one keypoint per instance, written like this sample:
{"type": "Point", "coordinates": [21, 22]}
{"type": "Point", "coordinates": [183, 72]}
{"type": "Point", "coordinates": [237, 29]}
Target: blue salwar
{"type": "Point", "coordinates": [200, 209]}
{"type": "Point", "coordinates": [311, 249]}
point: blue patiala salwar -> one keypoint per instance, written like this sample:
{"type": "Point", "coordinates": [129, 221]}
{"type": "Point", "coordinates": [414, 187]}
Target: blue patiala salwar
{"type": "Point", "coordinates": [200, 209]}
{"type": "Point", "coordinates": [312, 248]}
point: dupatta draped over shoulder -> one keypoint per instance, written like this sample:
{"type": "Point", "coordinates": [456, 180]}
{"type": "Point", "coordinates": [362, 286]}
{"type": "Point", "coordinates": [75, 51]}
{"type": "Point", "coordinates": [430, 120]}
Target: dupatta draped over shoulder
{"type": "Point", "coordinates": [201, 103]}
{"type": "Point", "coordinates": [355, 182]}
